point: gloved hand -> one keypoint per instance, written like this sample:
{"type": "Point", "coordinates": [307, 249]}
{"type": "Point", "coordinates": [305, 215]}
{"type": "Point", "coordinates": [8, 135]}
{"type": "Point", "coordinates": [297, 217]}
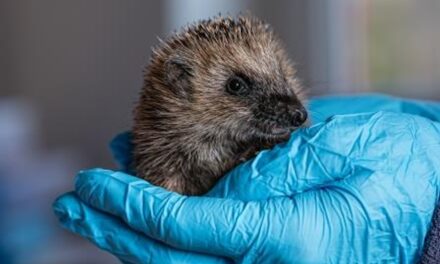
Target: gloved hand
{"type": "Point", "coordinates": [358, 188]}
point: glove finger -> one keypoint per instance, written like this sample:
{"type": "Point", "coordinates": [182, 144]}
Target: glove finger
{"type": "Point", "coordinates": [114, 236]}
{"type": "Point", "coordinates": [223, 226]}
{"type": "Point", "coordinates": [121, 147]}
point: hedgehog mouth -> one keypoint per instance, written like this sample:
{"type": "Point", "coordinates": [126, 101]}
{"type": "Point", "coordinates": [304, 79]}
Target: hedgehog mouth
{"type": "Point", "coordinates": [274, 131]}
{"type": "Point", "coordinates": [277, 130]}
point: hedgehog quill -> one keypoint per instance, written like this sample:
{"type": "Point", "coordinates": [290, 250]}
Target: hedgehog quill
{"type": "Point", "coordinates": [214, 94]}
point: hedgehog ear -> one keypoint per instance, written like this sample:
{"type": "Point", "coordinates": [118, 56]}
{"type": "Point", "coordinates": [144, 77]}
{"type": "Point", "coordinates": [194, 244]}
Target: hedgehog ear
{"type": "Point", "coordinates": [178, 77]}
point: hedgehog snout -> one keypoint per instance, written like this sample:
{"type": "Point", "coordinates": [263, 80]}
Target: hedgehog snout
{"type": "Point", "coordinates": [282, 111]}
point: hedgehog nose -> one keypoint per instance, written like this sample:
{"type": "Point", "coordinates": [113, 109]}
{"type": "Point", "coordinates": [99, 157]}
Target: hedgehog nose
{"type": "Point", "coordinates": [299, 117]}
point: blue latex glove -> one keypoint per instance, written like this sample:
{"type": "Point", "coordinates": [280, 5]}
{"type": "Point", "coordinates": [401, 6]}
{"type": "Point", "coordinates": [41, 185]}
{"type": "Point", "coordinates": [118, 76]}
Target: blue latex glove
{"type": "Point", "coordinates": [357, 188]}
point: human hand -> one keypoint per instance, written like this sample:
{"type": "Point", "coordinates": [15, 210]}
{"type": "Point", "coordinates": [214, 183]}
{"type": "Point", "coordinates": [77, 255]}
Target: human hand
{"type": "Point", "coordinates": [358, 188]}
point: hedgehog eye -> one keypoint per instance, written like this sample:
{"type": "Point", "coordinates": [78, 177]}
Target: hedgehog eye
{"type": "Point", "coordinates": [237, 86]}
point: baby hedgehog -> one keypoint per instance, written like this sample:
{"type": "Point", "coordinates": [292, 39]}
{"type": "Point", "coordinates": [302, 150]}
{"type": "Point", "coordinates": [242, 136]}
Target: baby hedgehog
{"type": "Point", "coordinates": [214, 95]}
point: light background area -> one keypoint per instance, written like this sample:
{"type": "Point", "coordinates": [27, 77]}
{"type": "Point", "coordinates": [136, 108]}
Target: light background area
{"type": "Point", "coordinates": [70, 72]}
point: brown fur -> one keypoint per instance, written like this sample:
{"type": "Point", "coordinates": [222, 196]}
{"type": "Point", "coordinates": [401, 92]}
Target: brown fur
{"type": "Point", "coordinates": [188, 131]}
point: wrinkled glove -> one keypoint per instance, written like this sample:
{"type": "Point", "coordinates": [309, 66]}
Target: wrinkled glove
{"type": "Point", "coordinates": [357, 188]}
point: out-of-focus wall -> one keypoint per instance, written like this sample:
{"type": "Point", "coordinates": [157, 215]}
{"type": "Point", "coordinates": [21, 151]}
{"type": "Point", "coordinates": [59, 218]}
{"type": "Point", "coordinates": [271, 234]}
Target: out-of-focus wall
{"type": "Point", "coordinates": [404, 47]}
{"type": "Point", "coordinates": [70, 72]}
{"type": "Point", "coordinates": [80, 63]}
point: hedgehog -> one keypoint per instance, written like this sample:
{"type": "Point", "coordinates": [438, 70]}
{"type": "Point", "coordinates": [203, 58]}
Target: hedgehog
{"type": "Point", "coordinates": [215, 94]}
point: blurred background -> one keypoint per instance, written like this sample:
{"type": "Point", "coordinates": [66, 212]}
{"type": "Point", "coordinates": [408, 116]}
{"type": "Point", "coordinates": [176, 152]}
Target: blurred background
{"type": "Point", "coordinates": [70, 72]}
